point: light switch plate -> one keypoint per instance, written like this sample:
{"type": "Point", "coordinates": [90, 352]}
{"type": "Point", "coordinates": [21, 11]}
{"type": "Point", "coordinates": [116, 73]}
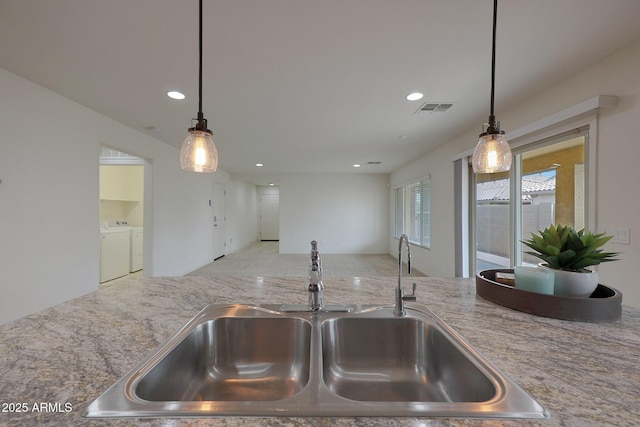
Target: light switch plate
{"type": "Point", "coordinates": [620, 235]}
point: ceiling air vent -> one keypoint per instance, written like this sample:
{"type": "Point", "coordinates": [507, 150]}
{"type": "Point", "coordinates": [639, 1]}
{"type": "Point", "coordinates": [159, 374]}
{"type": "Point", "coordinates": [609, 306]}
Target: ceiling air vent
{"type": "Point", "coordinates": [373, 163]}
{"type": "Point", "coordinates": [434, 107]}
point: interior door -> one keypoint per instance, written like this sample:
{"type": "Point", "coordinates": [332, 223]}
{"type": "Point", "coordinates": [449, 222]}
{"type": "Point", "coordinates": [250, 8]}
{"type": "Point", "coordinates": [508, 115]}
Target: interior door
{"type": "Point", "coordinates": [219, 220]}
{"type": "Point", "coordinates": [270, 217]}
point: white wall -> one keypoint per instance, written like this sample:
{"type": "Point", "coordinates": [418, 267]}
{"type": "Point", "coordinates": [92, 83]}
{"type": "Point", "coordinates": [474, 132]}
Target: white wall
{"type": "Point", "coordinates": [242, 219]}
{"type": "Point", "coordinates": [439, 260]}
{"type": "Point", "coordinates": [345, 213]}
{"type": "Point", "coordinates": [267, 189]}
{"type": "Point", "coordinates": [49, 198]}
{"type": "Point", "coordinates": [617, 203]}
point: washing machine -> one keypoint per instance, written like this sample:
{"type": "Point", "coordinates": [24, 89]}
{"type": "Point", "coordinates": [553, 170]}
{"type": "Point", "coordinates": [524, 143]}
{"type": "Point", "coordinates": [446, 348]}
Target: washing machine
{"type": "Point", "coordinates": [135, 263]}
{"type": "Point", "coordinates": [115, 248]}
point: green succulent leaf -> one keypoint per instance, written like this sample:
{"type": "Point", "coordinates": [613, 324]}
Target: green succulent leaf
{"type": "Point", "coordinates": [565, 257]}
{"type": "Point", "coordinates": [564, 248]}
{"type": "Point", "coordinates": [553, 250]}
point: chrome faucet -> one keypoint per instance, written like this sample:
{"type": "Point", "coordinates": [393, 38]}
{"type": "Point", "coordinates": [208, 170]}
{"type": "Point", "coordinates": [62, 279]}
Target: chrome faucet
{"type": "Point", "coordinates": [315, 286]}
{"type": "Point", "coordinates": [399, 311]}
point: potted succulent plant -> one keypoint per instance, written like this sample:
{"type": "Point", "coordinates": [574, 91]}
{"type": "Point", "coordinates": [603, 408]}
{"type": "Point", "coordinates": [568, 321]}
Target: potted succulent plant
{"type": "Point", "coordinates": [568, 253]}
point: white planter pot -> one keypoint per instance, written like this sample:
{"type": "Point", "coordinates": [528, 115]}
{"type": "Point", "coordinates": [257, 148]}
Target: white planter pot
{"type": "Point", "coordinates": [573, 284]}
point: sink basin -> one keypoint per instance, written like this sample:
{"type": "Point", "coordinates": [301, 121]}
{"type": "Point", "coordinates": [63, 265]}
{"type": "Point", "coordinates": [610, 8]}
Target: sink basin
{"type": "Point", "coordinates": [398, 360]}
{"type": "Point", "coordinates": [244, 360]}
{"type": "Point", "coordinates": [233, 359]}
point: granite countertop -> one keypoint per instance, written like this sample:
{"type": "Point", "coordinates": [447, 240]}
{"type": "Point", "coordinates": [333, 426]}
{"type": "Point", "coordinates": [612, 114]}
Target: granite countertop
{"type": "Point", "coordinates": [55, 362]}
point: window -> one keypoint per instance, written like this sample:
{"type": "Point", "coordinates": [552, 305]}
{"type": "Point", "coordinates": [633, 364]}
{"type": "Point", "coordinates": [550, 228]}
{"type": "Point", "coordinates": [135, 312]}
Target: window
{"type": "Point", "coordinates": [413, 212]}
{"type": "Point", "coordinates": [552, 188]}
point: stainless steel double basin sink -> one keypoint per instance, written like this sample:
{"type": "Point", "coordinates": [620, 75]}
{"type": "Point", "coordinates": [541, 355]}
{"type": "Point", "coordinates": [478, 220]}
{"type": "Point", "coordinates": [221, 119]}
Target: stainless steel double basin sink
{"type": "Point", "coordinates": [247, 360]}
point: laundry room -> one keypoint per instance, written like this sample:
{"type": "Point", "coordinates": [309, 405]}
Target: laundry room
{"type": "Point", "coordinates": [121, 214]}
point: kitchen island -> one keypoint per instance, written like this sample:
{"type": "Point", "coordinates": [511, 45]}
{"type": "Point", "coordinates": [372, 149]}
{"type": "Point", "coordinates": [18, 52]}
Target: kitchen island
{"type": "Point", "coordinates": [55, 362]}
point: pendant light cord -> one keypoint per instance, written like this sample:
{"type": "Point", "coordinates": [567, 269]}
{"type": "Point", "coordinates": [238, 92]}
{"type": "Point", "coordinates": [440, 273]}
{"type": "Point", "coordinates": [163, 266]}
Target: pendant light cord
{"type": "Point", "coordinates": [493, 60]}
{"type": "Point", "coordinates": [200, 70]}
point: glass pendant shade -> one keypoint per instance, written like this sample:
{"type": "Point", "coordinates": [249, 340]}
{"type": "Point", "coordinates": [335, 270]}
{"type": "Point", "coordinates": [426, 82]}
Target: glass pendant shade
{"type": "Point", "coordinates": [492, 154]}
{"type": "Point", "coordinates": [198, 152]}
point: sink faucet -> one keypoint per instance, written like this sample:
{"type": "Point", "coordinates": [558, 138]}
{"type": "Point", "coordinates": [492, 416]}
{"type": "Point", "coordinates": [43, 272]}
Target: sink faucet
{"type": "Point", "coordinates": [315, 289]}
{"type": "Point", "coordinates": [399, 311]}
{"type": "Point", "coordinates": [315, 286]}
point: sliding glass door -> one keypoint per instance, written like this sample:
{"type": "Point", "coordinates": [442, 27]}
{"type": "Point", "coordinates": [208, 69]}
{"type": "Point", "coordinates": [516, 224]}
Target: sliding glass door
{"type": "Point", "coordinates": [545, 186]}
{"type": "Point", "coordinates": [493, 223]}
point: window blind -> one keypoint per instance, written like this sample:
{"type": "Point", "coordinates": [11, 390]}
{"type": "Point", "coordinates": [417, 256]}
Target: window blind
{"type": "Point", "coordinates": [413, 212]}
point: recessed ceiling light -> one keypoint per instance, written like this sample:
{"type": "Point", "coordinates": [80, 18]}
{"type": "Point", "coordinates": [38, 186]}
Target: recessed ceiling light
{"type": "Point", "coordinates": [414, 96]}
{"type": "Point", "coordinates": [175, 95]}
{"type": "Point", "coordinates": [271, 184]}
{"type": "Point", "coordinates": [259, 165]}
{"type": "Point", "coordinates": [356, 165]}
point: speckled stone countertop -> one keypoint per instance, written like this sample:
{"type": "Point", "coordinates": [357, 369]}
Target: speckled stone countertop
{"type": "Point", "coordinates": [64, 357]}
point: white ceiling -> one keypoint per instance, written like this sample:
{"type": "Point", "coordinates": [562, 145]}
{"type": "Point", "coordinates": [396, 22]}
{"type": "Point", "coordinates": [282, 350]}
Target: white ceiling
{"type": "Point", "coordinates": [307, 85]}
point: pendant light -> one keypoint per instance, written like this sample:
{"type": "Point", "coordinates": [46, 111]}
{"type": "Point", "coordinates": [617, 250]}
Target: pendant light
{"type": "Point", "coordinates": [492, 154]}
{"type": "Point", "coordinates": [198, 152]}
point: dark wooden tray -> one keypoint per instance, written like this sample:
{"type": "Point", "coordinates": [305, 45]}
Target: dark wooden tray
{"type": "Point", "coordinates": [604, 305]}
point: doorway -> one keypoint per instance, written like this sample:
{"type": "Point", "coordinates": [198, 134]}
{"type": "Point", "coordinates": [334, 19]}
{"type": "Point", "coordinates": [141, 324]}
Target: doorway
{"type": "Point", "coordinates": [121, 213]}
{"type": "Point", "coordinates": [219, 220]}
{"type": "Point", "coordinates": [269, 211]}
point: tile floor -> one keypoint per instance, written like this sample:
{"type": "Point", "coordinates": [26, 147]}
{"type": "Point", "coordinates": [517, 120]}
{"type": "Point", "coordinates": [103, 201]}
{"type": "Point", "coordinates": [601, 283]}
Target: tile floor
{"type": "Point", "coordinates": [263, 259]}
